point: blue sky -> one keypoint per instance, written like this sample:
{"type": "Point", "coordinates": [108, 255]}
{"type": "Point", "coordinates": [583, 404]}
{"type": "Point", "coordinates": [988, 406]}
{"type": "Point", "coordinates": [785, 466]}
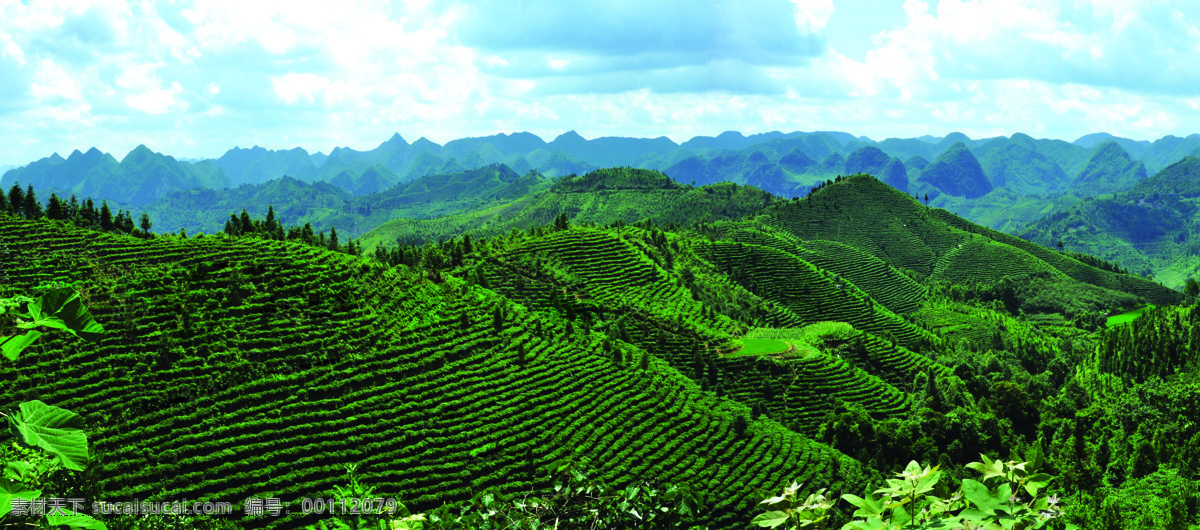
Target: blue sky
{"type": "Point", "coordinates": [195, 78]}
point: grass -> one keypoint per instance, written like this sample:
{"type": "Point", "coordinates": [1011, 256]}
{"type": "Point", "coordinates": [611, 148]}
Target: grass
{"type": "Point", "coordinates": [761, 347]}
{"type": "Point", "coordinates": [1127, 317]}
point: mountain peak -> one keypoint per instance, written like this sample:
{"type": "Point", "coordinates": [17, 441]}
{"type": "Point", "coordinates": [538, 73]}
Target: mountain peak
{"type": "Point", "coordinates": [424, 143]}
{"type": "Point", "coordinates": [569, 137]}
{"type": "Point", "coordinates": [141, 152]}
{"type": "Point", "coordinates": [1091, 140]}
{"type": "Point", "coordinates": [395, 140]}
{"type": "Point", "coordinates": [957, 172]}
{"type": "Point", "coordinates": [1111, 149]}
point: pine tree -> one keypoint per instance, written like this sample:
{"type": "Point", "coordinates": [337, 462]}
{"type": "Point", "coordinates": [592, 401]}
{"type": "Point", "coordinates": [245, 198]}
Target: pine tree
{"type": "Point", "coordinates": [16, 199]}
{"type": "Point", "coordinates": [145, 223]}
{"type": "Point", "coordinates": [90, 214]}
{"type": "Point", "coordinates": [4, 204]}
{"type": "Point", "coordinates": [73, 208]}
{"type": "Point", "coordinates": [246, 225]}
{"type": "Point", "coordinates": [123, 222]}
{"type": "Point", "coordinates": [644, 362]}
{"type": "Point", "coordinates": [32, 208]}
{"type": "Point", "coordinates": [333, 239]}
{"type": "Point", "coordinates": [306, 234]}
{"type": "Point", "coordinates": [467, 248]}
{"type": "Point", "coordinates": [270, 225]}
{"type": "Point", "coordinates": [106, 217]}
{"type": "Point", "coordinates": [182, 233]}
{"type": "Point", "coordinates": [55, 209]}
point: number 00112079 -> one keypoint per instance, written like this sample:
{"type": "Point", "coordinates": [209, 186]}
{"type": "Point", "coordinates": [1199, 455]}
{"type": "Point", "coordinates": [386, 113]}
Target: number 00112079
{"type": "Point", "coordinates": [349, 506]}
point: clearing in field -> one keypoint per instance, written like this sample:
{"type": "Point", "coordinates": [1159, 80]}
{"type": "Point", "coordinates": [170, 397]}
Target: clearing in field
{"type": "Point", "coordinates": [1125, 318]}
{"type": "Point", "coordinates": [761, 347]}
{"type": "Point", "coordinates": [793, 341]}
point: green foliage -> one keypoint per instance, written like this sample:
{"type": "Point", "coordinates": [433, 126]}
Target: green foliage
{"type": "Point", "coordinates": [578, 498]}
{"type": "Point", "coordinates": [917, 499]}
{"type": "Point", "coordinates": [56, 431]}
{"type": "Point", "coordinates": [788, 509]}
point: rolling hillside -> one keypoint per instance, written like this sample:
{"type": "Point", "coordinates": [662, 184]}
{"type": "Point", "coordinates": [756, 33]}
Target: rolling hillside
{"type": "Point", "coordinates": [1149, 229]}
{"type": "Point", "coordinates": [902, 232]}
{"type": "Point", "coordinates": [249, 367]}
{"type": "Point", "coordinates": [600, 197]}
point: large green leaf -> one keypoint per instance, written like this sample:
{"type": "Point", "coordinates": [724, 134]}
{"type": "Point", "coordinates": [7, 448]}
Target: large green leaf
{"type": "Point", "coordinates": [13, 345]}
{"type": "Point", "coordinates": [82, 522]}
{"type": "Point", "coordinates": [980, 496]}
{"type": "Point", "coordinates": [1036, 482]}
{"type": "Point", "coordinates": [16, 470]}
{"type": "Point", "coordinates": [770, 519]}
{"type": "Point", "coordinates": [58, 431]}
{"type": "Point", "coordinates": [62, 309]}
{"type": "Point", "coordinates": [11, 489]}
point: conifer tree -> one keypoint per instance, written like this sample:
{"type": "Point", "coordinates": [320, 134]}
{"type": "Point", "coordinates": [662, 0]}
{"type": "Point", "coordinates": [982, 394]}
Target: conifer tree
{"type": "Point", "coordinates": [144, 223]}
{"type": "Point", "coordinates": [467, 248]}
{"type": "Point", "coordinates": [124, 222]}
{"type": "Point", "coordinates": [333, 238]}
{"type": "Point", "coordinates": [32, 208]}
{"type": "Point", "coordinates": [306, 234]}
{"type": "Point", "coordinates": [246, 225]}
{"type": "Point", "coordinates": [644, 362]}
{"type": "Point", "coordinates": [4, 204]}
{"type": "Point", "coordinates": [16, 199]}
{"type": "Point", "coordinates": [270, 225]}
{"type": "Point", "coordinates": [182, 233]}
{"type": "Point", "coordinates": [73, 208]}
{"type": "Point", "coordinates": [106, 217]}
{"type": "Point", "coordinates": [55, 209]}
{"type": "Point", "coordinates": [89, 213]}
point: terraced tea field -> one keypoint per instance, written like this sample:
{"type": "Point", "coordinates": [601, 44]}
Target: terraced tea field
{"type": "Point", "coordinates": [241, 367]}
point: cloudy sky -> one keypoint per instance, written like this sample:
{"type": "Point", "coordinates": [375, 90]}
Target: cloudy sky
{"type": "Point", "coordinates": [194, 78]}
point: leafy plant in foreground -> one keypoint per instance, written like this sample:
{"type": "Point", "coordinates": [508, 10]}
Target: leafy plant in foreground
{"type": "Point", "coordinates": [57, 432]}
{"type": "Point", "coordinates": [578, 500]}
{"type": "Point", "coordinates": [916, 500]}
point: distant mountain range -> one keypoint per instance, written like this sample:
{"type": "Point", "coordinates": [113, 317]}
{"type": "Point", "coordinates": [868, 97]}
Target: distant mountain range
{"type": "Point", "coordinates": [784, 164]}
{"type": "Point", "coordinates": [1152, 227]}
{"type": "Point", "coordinates": [1005, 183]}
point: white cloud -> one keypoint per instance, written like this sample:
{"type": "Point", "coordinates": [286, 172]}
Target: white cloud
{"type": "Point", "coordinates": [812, 15]}
{"type": "Point", "coordinates": [53, 82]}
{"type": "Point", "coordinates": [200, 76]}
{"type": "Point", "coordinates": [158, 100]}
{"type": "Point", "coordinates": [292, 87]}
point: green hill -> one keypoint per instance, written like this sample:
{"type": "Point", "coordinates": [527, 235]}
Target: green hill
{"type": "Point", "coordinates": [237, 368]}
{"type": "Point", "coordinates": [329, 205]}
{"type": "Point", "coordinates": [601, 197]}
{"type": "Point", "coordinates": [1021, 168]}
{"type": "Point", "coordinates": [868, 159]}
{"type": "Point", "coordinates": [1109, 169]}
{"type": "Point", "coordinates": [957, 172]}
{"type": "Point", "coordinates": [1149, 228]}
{"type": "Point", "coordinates": [864, 213]}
